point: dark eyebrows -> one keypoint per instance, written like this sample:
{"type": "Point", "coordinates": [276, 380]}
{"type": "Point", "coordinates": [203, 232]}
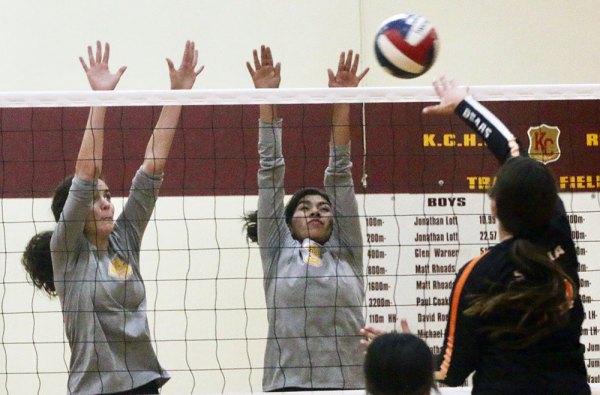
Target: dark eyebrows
{"type": "Point", "coordinates": [301, 202]}
{"type": "Point", "coordinates": [319, 204]}
{"type": "Point", "coordinates": [101, 192]}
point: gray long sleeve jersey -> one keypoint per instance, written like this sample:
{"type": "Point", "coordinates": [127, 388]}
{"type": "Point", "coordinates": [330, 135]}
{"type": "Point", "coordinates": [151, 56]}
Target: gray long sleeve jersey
{"type": "Point", "coordinates": [314, 304]}
{"type": "Point", "coordinates": [102, 294]}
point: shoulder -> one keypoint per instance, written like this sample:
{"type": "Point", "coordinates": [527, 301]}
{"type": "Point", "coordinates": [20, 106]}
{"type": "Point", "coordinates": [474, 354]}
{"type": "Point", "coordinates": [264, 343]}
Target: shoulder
{"type": "Point", "coordinates": [491, 267]}
{"type": "Point", "coordinates": [558, 231]}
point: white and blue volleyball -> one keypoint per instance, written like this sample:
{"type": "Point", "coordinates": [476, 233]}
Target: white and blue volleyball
{"type": "Point", "coordinates": [406, 45]}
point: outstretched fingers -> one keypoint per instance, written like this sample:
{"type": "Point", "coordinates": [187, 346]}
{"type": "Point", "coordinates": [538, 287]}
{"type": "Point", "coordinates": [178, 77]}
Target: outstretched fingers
{"type": "Point", "coordinates": [83, 64]}
{"type": "Point", "coordinates": [348, 64]}
{"type": "Point", "coordinates": [120, 72]}
{"type": "Point", "coordinates": [98, 52]}
{"type": "Point", "coordinates": [91, 59]}
{"type": "Point", "coordinates": [404, 326]}
{"type": "Point", "coordinates": [185, 76]}
{"type": "Point", "coordinates": [362, 75]}
{"type": "Point", "coordinates": [106, 53]}
{"type": "Point", "coordinates": [97, 70]}
{"type": "Point", "coordinates": [341, 62]}
{"type": "Point", "coordinates": [256, 58]}
{"type": "Point", "coordinates": [346, 75]}
{"type": "Point", "coordinates": [354, 66]}
{"type": "Point", "coordinates": [268, 56]}
{"type": "Point", "coordinates": [450, 95]}
{"type": "Point", "coordinates": [265, 73]}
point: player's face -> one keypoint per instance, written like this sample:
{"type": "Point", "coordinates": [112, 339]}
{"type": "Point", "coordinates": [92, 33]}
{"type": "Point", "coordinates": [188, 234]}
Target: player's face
{"type": "Point", "coordinates": [312, 219]}
{"type": "Point", "coordinates": [99, 222]}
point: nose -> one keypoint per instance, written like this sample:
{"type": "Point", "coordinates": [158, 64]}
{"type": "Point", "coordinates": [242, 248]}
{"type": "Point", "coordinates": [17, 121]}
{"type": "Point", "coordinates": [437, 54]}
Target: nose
{"type": "Point", "coordinates": [104, 203]}
{"type": "Point", "coordinates": [314, 212]}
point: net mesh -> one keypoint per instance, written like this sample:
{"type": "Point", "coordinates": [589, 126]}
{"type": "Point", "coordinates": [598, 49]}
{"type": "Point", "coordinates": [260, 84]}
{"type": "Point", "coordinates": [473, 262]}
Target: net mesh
{"type": "Point", "coordinates": [419, 183]}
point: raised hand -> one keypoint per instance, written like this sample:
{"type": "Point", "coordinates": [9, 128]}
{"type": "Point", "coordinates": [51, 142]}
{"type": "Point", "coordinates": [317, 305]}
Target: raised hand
{"type": "Point", "coordinates": [97, 72]}
{"type": "Point", "coordinates": [450, 95]}
{"type": "Point", "coordinates": [264, 74]}
{"type": "Point", "coordinates": [346, 76]}
{"type": "Point", "coordinates": [185, 76]}
{"type": "Point", "coordinates": [370, 334]}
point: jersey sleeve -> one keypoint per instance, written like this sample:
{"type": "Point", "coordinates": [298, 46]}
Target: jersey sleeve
{"type": "Point", "coordinates": [460, 351]}
{"type": "Point", "coordinates": [272, 228]}
{"type": "Point", "coordinates": [498, 138]}
{"type": "Point", "coordinates": [69, 229]}
{"type": "Point", "coordinates": [131, 224]}
{"type": "Point", "coordinates": [340, 188]}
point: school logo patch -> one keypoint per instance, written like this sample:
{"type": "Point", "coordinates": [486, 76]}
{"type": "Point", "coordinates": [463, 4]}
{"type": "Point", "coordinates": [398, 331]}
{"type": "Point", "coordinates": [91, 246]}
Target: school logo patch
{"type": "Point", "coordinates": [119, 269]}
{"type": "Point", "coordinates": [543, 143]}
{"type": "Point", "coordinates": [311, 253]}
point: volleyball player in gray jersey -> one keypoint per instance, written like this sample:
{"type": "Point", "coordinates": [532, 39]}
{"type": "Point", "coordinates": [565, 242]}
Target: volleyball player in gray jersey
{"type": "Point", "coordinates": [94, 267]}
{"type": "Point", "coordinates": [311, 251]}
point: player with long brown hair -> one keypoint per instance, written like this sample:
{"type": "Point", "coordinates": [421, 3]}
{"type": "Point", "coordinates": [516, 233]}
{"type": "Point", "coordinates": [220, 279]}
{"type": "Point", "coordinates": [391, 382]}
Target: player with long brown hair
{"type": "Point", "coordinates": [516, 315]}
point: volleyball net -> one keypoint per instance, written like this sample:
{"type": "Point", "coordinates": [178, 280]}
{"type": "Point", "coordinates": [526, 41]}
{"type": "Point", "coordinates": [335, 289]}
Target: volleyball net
{"type": "Point", "coordinates": [420, 183]}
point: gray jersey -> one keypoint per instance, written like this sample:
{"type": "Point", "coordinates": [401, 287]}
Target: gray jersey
{"type": "Point", "coordinates": [314, 294]}
{"type": "Point", "coordinates": [102, 294]}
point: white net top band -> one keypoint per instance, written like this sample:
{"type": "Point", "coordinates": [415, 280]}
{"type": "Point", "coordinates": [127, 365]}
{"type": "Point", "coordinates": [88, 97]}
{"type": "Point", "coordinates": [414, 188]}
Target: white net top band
{"type": "Point", "coordinates": [288, 96]}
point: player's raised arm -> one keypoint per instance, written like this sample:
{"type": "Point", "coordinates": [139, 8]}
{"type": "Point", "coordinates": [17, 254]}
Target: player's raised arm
{"type": "Point", "coordinates": [89, 160]}
{"type": "Point", "coordinates": [457, 99]}
{"type": "Point", "coordinates": [346, 76]}
{"type": "Point", "coordinates": [265, 75]}
{"type": "Point", "coordinates": [159, 144]}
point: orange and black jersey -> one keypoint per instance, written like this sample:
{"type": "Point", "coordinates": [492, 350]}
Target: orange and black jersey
{"type": "Point", "coordinates": [554, 364]}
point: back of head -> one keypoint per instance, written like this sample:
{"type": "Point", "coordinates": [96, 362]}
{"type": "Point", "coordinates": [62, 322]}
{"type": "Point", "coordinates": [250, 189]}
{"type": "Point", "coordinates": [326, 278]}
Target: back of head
{"type": "Point", "coordinates": [251, 226]}
{"type": "Point", "coordinates": [61, 192]}
{"type": "Point", "coordinates": [37, 262]}
{"type": "Point", "coordinates": [526, 196]}
{"type": "Point", "coordinates": [37, 257]}
{"type": "Point", "coordinates": [399, 364]}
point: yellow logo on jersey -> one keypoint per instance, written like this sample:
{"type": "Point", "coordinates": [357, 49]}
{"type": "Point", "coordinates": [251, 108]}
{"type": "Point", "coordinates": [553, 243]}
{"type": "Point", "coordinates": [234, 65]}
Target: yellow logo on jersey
{"type": "Point", "coordinates": [119, 269]}
{"type": "Point", "coordinates": [311, 253]}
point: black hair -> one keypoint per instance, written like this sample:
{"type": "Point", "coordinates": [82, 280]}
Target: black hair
{"type": "Point", "coordinates": [526, 198]}
{"type": "Point", "coordinates": [399, 364]}
{"type": "Point", "coordinates": [59, 198]}
{"type": "Point", "coordinates": [37, 258]}
{"type": "Point", "coordinates": [251, 218]}
{"type": "Point", "coordinates": [251, 226]}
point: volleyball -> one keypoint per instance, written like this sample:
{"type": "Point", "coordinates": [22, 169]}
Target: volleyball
{"type": "Point", "coordinates": [406, 45]}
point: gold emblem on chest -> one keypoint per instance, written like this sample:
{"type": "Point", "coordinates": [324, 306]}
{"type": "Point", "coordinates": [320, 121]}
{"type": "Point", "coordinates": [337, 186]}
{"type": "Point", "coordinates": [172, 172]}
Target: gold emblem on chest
{"type": "Point", "coordinates": [311, 253]}
{"type": "Point", "coordinates": [119, 269]}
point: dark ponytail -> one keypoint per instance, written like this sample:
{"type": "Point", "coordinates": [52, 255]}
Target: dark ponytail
{"type": "Point", "coordinates": [537, 296]}
{"type": "Point", "coordinates": [38, 263]}
{"type": "Point", "coordinates": [526, 197]}
{"type": "Point", "coordinates": [37, 258]}
{"type": "Point", "coordinates": [251, 226]}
